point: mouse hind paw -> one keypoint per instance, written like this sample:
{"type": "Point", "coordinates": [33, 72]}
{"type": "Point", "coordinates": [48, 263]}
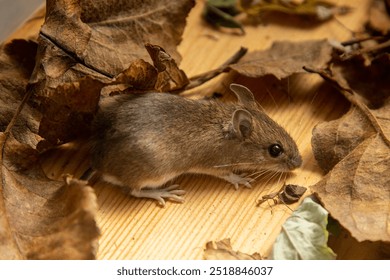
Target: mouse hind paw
{"type": "Point", "coordinates": [172, 193]}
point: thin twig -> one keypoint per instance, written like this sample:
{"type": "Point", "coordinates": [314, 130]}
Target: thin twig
{"type": "Point", "coordinates": [360, 40]}
{"type": "Point", "coordinates": [348, 55]}
{"type": "Point", "coordinates": [200, 79]}
{"type": "Point", "coordinates": [350, 95]}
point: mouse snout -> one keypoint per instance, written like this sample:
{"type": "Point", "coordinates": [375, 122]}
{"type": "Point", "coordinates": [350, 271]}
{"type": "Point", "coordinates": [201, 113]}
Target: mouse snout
{"type": "Point", "coordinates": [295, 162]}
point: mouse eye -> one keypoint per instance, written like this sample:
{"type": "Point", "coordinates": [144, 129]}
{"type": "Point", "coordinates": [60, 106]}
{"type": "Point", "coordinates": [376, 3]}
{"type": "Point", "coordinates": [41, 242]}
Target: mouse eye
{"type": "Point", "coordinates": [275, 150]}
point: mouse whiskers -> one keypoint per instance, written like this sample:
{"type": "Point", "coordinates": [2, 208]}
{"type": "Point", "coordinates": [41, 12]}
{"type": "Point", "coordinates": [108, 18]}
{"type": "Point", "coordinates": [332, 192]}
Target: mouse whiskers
{"type": "Point", "coordinates": [271, 177]}
{"type": "Point", "coordinates": [280, 176]}
{"type": "Point", "coordinates": [258, 174]}
{"type": "Point", "coordinates": [235, 164]}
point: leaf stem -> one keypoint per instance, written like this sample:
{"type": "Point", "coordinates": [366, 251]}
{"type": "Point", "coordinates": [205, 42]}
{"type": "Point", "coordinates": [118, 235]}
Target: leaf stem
{"type": "Point", "coordinates": [350, 95]}
{"type": "Point", "coordinates": [346, 56]}
{"type": "Point", "coordinates": [3, 140]}
{"type": "Point", "coordinates": [10, 125]}
{"type": "Point", "coordinates": [200, 79]}
{"type": "Point", "coordinates": [360, 40]}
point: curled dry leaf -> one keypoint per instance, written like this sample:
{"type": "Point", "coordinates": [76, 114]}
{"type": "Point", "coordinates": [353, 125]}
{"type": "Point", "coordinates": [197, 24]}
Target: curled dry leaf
{"type": "Point", "coordinates": [40, 218]}
{"type": "Point", "coordinates": [170, 77]}
{"type": "Point", "coordinates": [68, 111]}
{"type": "Point", "coordinates": [285, 58]}
{"type": "Point", "coordinates": [288, 194]}
{"type": "Point", "coordinates": [356, 190]}
{"type": "Point", "coordinates": [222, 250]}
{"type": "Point", "coordinates": [291, 193]}
{"type": "Point", "coordinates": [99, 43]}
{"type": "Point", "coordinates": [164, 75]}
{"type": "Point", "coordinates": [140, 75]}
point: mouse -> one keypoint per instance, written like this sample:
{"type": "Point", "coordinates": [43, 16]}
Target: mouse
{"type": "Point", "coordinates": [141, 142]}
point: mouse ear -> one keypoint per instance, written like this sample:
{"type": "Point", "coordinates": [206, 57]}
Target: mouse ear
{"type": "Point", "coordinates": [242, 123]}
{"type": "Point", "coordinates": [244, 95]}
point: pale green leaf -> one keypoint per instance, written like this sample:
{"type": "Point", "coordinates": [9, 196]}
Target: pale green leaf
{"type": "Point", "coordinates": [221, 13]}
{"type": "Point", "coordinates": [304, 235]}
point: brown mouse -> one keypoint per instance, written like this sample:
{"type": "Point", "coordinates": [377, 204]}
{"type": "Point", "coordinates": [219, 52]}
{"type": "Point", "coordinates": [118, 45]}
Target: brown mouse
{"type": "Point", "coordinates": [141, 142]}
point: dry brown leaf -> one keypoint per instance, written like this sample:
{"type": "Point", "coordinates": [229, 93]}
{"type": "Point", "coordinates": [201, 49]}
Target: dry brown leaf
{"type": "Point", "coordinates": [100, 40]}
{"type": "Point", "coordinates": [68, 111]}
{"type": "Point", "coordinates": [356, 192]}
{"type": "Point", "coordinates": [16, 64]}
{"type": "Point", "coordinates": [222, 250]}
{"type": "Point", "coordinates": [170, 76]}
{"type": "Point", "coordinates": [109, 35]}
{"type": "Point", "coordinates": [40, 218]}
{"type": "Point", "coordinates": [355, 150]}
{"type": "Point", "coordinates": [43, 219]}
{"type": "Point", "coordinates": [370, 81]}
{"type": "Point", "coordinates": [140, 75]}
{"type": "Point", "coordinates": [333, 140]}
{"type": "Point", "coordinates": [285, 58]}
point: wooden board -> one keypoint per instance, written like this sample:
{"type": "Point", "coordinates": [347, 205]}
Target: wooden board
{"type": "Point", "coordinates": [133, 228]}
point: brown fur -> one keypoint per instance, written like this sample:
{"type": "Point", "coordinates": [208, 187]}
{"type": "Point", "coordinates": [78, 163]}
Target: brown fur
{"type": "Point", "coordinates": [146, 140]}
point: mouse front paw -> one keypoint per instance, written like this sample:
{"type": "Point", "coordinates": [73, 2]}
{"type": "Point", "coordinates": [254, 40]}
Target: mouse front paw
{"type": "Point", "coordinates": [237, 180]}
{"type": "Point", "coordinates": [171, 192]}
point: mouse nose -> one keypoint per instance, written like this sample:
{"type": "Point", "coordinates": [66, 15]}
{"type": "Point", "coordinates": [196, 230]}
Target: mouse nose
{"type": "Point", "coordinates": [295, 162]}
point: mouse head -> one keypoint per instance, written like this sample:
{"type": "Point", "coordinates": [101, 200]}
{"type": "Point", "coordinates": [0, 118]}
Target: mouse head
{"type": "Point", "coordinates": [262, 139]}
